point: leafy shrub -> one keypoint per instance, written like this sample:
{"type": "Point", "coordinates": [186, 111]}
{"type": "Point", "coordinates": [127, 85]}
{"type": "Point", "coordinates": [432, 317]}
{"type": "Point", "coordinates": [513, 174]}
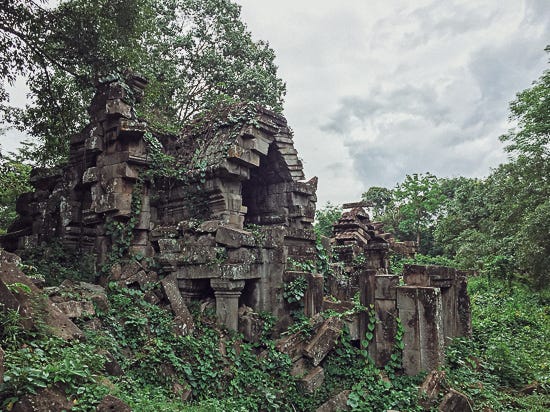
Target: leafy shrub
{"type": "Point", "coordinates": [55, 264]}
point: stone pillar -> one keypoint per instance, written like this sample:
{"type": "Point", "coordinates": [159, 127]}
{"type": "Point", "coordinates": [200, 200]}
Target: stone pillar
{"type": "Point", "coordinates": [464, 316]}
{"type": "Point", "coordinates": [420, 311]}
{"type": "Point", "coordinates": [227, 293]}
{"type": "Point", "coordinates": [385, 307]}
{"type": "Point", "coordinates": [313, 299]}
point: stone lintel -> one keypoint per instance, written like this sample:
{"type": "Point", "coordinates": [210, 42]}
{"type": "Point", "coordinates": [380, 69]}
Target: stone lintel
{"type": "Point", "coordinates": [234, 238]}
{"type": "Point", "coordinates": [193, 271]}
{"type": "Point", "coordinates": [429, 275]}
{"type": "Point", "coordinates": [354, 205]}
{"type": "Point", "coordinates": [240, 271]}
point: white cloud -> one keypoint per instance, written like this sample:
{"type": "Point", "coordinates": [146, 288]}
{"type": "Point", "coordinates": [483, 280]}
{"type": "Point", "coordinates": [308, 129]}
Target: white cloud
{"type": "Point", "coordinates": [377, 89]}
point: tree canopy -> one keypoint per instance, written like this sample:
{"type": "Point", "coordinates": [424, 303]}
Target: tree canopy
{"type": "Point", "coordinates": [194, 54]}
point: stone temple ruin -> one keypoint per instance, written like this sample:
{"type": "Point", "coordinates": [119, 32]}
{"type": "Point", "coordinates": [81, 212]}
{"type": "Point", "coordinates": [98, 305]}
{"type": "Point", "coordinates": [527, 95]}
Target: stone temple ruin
{"type": "Point", "coordinates": [229, 220]}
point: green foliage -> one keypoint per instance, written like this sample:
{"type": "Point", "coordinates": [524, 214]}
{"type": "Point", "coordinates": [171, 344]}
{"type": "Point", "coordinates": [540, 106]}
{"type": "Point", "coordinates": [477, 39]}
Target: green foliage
{"type": "Point", "coordinates": [11, 332]}
{"type": "Point", "coordinates": [508, 351]}
{"type": "Point", "coordinates": [531, 111]}
{"type": "Point", "coordinates": [325, 219]}
{"type": "Point", "coordinates": [500, 224]}
{"type": "Point", "coordinates": [54, 264]}
{"type": "Point", "coordinates": [14, 181]}
{"type": "Point", "coordinates": [195, 54]}
{"type": "Point", "coordinates": [218, 367]}
{"type": "Point", "coordinates": [18, 287]}
{"type": "Point", "coordinates": [372, 389]}
{"type": "Point", "coordinates": [378, 199]}
{"type": "Point", "coordinates": [418, 200]}
{"type": "Point", "coordinates": [533, 252]}
{"type": "Point", "coordinates": [295, 290]}
{"type": "Point", "coordinates": [51, 361]}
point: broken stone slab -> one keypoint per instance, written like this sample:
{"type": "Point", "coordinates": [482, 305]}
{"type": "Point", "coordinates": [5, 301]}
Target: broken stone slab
{"type": "Point", "coordinates": [313, 380]}
{"type": "Point", "coordinates": [234, 238]}
{"type": "Point", "coordinates": [183, 392]}
{"type": "Point", "coordinates": [300, 368]}
{"type": "Point", "coordinates": [57, 323]}
{"type": "Point", "coordinates": [142, 278]}
{"type": "Point", "coordinates": [300, 234]}
{"type": "Point", "coordinates": [245, 157]}
{"type": "Point", "coordinates": [455, 401]}
{"type": "Point", "coordinates": [111, 365]}
{"type": "Point", "coordinates": [336, 403]}
{"type": "Point", "coordinates": [272, 236]}
{"type": "Point", "coordinates": [47, 399]}
{"type": "Point", "coordinates": [324, 340]}
{"type": "Point", "coordinates": [183, 320]}
{"type": "Point", "coordinates": [7, 298]}
{"type": "Point", "coordinates": [209, 226]}
{"type": "Point", "coordinates": [90, 175]}
{"type": "Point", "coordinates": [292, 345]}
{"type": "Point", "coordinates": [251, 326]}
{"type": "Point", "coordinates": [430, 388]}
{"type": "Point", "coordinates": [124, 271]}
{"type": "Point", "coordinates": [118, 107]}
{"type": "Point", "coordinates": [76, 309]}
{"type": "Point", "coordinates": [194, 254]}
{"type": "Point", "coordinates": [243, 255]}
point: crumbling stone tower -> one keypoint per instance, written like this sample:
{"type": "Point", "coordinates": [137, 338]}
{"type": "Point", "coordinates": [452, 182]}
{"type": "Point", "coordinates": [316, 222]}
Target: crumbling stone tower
{"type": "Point", "coordinates": [225, 225]}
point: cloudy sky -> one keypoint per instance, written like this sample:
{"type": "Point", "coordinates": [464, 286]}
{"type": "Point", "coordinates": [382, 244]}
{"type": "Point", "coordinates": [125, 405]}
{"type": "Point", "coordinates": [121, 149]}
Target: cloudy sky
{"type": "Point", "coordinates": [378, 89]}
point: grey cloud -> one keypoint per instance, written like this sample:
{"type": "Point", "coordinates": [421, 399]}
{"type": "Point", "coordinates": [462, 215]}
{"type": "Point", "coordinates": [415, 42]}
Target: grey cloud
{"type": "Point", "coordinates": [536, 12]}
{"type": "Point", "coordinates": [335, 168]}
{"type": "Point", "coordinates": [412, 100]}
{"type": "Point", "coordinates": [436, 20]}
{"type": "Point", "coordinates": [386, 161]}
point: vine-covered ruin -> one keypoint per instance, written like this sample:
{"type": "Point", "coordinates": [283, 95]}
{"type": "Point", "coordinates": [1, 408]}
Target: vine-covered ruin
{"type": "Point", "coordinates": [224, 209]}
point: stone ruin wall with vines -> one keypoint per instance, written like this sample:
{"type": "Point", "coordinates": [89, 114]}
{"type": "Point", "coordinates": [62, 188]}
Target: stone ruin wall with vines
{"type": "Point", "coordinates": [224, 210]}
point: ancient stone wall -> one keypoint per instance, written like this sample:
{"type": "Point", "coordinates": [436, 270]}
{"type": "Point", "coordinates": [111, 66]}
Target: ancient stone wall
{"type": "Point", "coordinates": [232, 221]}
{"type": "Point", "coordinates": [226, 219]}
{"type": "Point", "coordinates": [432, 304]}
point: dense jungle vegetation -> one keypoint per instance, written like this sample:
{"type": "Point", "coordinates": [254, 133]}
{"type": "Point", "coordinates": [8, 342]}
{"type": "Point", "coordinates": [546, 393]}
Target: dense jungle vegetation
{"type": "Point", "coordinates": [197, 54]}
{"type": "Point", "coordinates": [504, 367]}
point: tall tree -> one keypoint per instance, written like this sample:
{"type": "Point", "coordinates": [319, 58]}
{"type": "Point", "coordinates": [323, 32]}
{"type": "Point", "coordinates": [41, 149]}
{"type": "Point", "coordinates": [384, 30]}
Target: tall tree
{"type": "Point", "coordinates": [378, 200]}
{"type": "Point", "coordinates": [14, 181]}
{"type": "Point", "coordinates": [194, 53]}
{"type": "Point", "coordinates": [325, 218]}
{"type": "Point", "coordinates": [418, 200]}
